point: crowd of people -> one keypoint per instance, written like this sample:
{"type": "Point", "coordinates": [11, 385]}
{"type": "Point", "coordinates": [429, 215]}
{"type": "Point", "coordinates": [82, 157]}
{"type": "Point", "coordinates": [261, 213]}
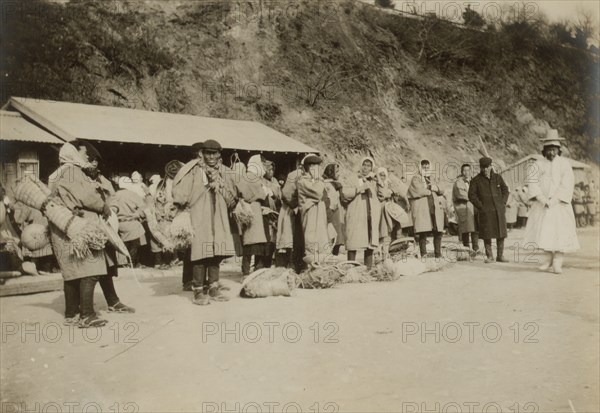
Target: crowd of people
{"type": "Point", "coordinates": [296, 222]}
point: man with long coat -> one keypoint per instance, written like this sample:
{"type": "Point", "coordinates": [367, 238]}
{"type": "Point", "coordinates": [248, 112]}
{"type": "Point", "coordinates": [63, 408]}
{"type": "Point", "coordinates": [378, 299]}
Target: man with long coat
{"type": "Point", "coordinates": [209, 191]}
{"type": "Point", "coordinates": [426, 210]}
{"type": "Point", "coordinates": [488, 193]}
{"type": "Point", "coordinates": [551, 224]}
{"type": "Point", "coordinates": [465, 212]}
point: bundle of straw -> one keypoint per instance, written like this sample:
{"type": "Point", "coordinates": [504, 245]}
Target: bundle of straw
{"type": "Point", "coordinates": [268, 282]}
{"type": "Point", "coordinates": [83, 234]}
{"type": "Point", "coordinates": [326, 276]}
{"type": "Point", "coordinates": [32, 193]}
{"type": "Point", "coordinates": [354, 273]}
{"type": "Point", "coordinates": [181, 231]}
{"type": "Point", "coordinates": [243, 214]}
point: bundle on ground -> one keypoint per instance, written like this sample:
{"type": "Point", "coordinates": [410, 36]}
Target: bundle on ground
{"type": "Point", "coordinates": [243, 214]}
{"type": "Point", "coordinates": [181, 231]}
{"type": "Point", "coordinates": [83, 234]}
{"type": "Point", "coordinates": [326, 276]}
{"type": "Point", "coordinates": [392, 270]}
{"type": "Point", "coordinates": [268, 282]}
{"type": "Point", "coordinates": [354, 272]}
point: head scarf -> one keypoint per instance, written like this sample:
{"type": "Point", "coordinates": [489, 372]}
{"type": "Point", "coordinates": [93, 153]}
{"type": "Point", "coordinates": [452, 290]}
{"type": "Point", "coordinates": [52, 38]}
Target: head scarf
{"type": "Point", "coordinates": [329, 172]}
{"type": "Point", "coordinates": [383, 170]}
{"type": "Point", "coordinates": [136, 177]}
{"type": "Point", "coordinates": [256, 166]}
{"type": "Point", "coordinates": [69, 155]}
{"type": "Point", "coordinates": [362, 161]}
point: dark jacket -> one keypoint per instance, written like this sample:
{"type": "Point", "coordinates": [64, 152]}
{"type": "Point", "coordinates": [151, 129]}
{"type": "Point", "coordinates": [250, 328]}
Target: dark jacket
{"type": "Point", "coordinates": [489, 197]}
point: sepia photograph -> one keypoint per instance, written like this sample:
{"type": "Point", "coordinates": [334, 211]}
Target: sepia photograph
{"type": "Point", "coordinates": [299, 206]}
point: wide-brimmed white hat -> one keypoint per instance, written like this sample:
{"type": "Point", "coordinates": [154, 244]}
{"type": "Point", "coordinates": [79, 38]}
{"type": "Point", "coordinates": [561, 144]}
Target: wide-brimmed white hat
{"type": "Point", "coordinates": [552, 138]}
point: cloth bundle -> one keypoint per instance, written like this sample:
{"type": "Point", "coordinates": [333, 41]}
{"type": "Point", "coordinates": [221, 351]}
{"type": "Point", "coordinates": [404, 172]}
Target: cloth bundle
{"type": "Point", "coordinates": [268, 282]}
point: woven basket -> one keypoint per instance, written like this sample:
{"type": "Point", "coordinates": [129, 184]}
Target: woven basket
{"type": "Point", "coordinates": [268, 282]}
{"type": "Point", "coordinates": [32, 193]}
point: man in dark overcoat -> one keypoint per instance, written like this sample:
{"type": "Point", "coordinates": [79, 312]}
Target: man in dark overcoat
{"type": "Point", "coordinates": [488, 193]}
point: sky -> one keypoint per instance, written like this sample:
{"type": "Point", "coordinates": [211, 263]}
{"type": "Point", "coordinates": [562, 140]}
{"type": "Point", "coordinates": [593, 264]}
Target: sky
{"type": "Point", "coordinates": [555, 10]}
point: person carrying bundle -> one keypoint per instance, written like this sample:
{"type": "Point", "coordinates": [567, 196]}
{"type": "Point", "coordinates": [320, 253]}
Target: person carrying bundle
{"type": "Point", "coordinates": [363, 213]}
{"type": "Point", "coordinates": [210, 193]}
{"type": "Point", "coordinates": [72, 187]}
{"type": "Point", "coordinates": [255, 232]}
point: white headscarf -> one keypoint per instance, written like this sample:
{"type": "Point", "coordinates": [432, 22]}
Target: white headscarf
{"type": "Point", "coordinates": [69, 155]}
{"type": "Point", "coordinates": [256, 166]}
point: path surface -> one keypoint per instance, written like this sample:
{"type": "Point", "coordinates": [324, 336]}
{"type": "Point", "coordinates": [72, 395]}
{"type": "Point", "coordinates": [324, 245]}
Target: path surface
{"type": "Point", "coordinates": [475, 337]}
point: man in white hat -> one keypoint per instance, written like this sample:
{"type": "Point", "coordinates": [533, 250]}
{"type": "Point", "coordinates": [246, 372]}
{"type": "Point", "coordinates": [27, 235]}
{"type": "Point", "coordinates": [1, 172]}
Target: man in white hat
{"type": "Point", "coordinates": [551, 223]}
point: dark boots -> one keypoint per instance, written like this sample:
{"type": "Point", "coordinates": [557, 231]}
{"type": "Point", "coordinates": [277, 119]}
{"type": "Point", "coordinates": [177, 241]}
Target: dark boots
{"type": "Point", "coordinates": [500, 250]}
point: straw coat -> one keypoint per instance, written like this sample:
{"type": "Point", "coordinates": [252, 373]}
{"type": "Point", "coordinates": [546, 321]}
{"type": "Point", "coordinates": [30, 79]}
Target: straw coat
{"type": "Point", "coordinates": [489, 197]}
{"type": "Point", "coordinates": [73, 189]}
{"type": "Point", "coordinates": [418, 196]}
{"type": "Point", "coordinates": [311, 201]}
{"type": "Point", "coordinates": [465, 212]}
{"type": "Point", "coordinates": [362, 215]}
{"type": "Point", "coordinates": [287, 216]}
{"type": "Point", "coordinates": [209, 209]}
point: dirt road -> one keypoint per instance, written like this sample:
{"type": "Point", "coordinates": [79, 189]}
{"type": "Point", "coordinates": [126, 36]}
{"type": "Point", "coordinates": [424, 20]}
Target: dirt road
{"type": "Point", "coordinates": [475, 337]}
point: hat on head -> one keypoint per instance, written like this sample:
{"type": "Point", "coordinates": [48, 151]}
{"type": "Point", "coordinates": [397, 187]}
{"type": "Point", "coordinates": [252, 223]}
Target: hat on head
{"type": "Point", "coordinates": [92, 152]}
{"type": "Point", "coordinates": [311, 160]}
{"type": "Point", "coordinates": [198, 146]}
{"type": "Point", "coordinates": [211, 146]}
{"type": "Point", "coordinates": [485, 162]}
{"type": "Point", "coordinates": [552, 139]}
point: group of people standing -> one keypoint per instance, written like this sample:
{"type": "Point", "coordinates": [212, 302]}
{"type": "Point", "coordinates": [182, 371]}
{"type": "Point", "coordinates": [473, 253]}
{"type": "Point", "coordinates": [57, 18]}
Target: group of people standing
{"type": "Point", "coordinates": [585, 204]}
{"type": "Point", "coordinates": [544, 206]}
{"type": "Point", "coordinates": [295, 225]}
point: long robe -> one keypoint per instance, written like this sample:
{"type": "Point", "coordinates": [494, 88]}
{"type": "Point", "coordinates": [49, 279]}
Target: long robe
{"type": "Point", "coordinates": [553, 228]}
{"type": "Point", "coordinates": [73, 189]}
{"type": "Point", "coordinates": [250, 189]}
{"type": "Point", "coordinates": [421, 206]}
{"type": "Point", "coordinates": [489, 197]}
{"type": "Point", "coordinates": [311, 201]}
{"type": "Point", "coordinates": [465, 212]}
{"type": "Point", "coordinates": [335, 212]}
{"type": "Point", "coordinates": [286, 223]}
{"type": "Point", "coordinates": [362, 216]}
{"type": "Point", "coordinates": [208, 210]}
{"type": "Point", "coordinates": [512, 206]}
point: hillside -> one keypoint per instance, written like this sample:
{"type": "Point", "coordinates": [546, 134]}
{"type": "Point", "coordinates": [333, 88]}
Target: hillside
{"type": "Point", "coordinates": [343, 77]}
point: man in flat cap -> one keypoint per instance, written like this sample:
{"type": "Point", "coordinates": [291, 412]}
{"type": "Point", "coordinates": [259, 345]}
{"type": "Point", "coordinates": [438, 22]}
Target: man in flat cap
{"type": "Point", "coordinates": [488, 193]}
{"type": "Point", "coordinates": [551, 223]}
{"type": "Point", "coordinates": [209, 191]}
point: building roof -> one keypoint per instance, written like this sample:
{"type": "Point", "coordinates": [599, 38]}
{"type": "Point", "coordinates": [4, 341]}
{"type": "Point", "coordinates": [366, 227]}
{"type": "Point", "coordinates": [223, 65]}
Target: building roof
{"type": "Point", "coordinates": [105, 123]}
{"type": "Point", "coordinates": [13, 127]}
{"type": "Point", "coordinates": [535, 156]}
